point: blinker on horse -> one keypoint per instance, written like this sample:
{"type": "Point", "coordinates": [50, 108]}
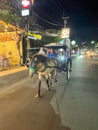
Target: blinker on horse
{"type": "Point", "coordinates": [44, 67]}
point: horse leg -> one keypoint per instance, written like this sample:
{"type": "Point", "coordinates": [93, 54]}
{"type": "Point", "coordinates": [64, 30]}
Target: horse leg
{"type": "Point", "coordinates": [47, 81]}
{"type": "Point", "coordinates": [50, 79]}
{"type": "Point", "coordinates": [55, 75]}
{"type": "Point", "coordinates": [39, 85]}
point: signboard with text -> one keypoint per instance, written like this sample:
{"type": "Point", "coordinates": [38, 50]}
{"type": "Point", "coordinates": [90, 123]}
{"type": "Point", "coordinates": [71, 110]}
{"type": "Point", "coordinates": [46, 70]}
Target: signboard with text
{"type": "Point", "coordinates": [65, 33]}
{"type": "Point", "coordinates": [25, 11]}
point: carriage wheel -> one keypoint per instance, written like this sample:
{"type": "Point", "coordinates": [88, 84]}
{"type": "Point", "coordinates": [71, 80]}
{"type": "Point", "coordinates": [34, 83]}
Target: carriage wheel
{"type": "Point", "coordinates": [68, 72]}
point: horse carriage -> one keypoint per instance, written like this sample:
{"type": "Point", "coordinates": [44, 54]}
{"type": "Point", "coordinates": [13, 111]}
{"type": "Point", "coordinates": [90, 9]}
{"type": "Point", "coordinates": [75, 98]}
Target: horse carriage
{"type": "Point", "coordinates": [62, 54]}
{"type": "Point", "coordinates": [47, 67]}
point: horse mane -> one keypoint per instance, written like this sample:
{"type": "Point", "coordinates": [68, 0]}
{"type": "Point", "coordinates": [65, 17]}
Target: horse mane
{"type": "Point", "coordinates": [40, 58]}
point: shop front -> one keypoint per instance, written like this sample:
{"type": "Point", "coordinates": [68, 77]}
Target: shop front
{"type": "Point", "coordinates": [10, 49]}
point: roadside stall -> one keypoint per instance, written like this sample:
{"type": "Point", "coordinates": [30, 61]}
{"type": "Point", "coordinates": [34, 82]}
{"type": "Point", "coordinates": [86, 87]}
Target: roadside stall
{"type": "Point", "coordinates": [10, 51]}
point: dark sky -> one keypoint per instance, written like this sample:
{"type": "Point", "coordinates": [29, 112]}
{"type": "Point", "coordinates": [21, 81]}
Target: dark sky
{"type": "Point", "coordinates": [83, 17]}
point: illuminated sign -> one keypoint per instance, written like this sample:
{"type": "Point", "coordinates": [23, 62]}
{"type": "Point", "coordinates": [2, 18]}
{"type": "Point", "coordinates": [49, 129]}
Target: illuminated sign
{"type": "Point", "coordinates": [65, 33]}
{"type": "Point", "coordinates": [36, 36]}
{"type": "Point", "coordinates": [25, 12]}
{"type": "Point", "coordinates": [26, 4]}
{"type": "Point", "coordinates": [25, 7]}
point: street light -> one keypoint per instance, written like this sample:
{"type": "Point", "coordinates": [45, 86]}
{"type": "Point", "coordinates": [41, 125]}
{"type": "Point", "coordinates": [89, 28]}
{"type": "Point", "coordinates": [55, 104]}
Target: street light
{"type": "Point", "coordinates": [73, 42]}
{"type": "Point", "coordinates": [93, 43]}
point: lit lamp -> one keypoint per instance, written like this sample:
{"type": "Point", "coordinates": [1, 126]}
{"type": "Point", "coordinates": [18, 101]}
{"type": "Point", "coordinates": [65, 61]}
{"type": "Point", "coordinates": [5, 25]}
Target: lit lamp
{"type": "Point", "coordinates": [6, 26]}
{"type": "Point", "coordinates": [73, 42]}
{"type": "Point", "coordinates": [5, 30]}
{"type": "Point", "coordinates": [25, 7]}
{"type": "Point", "coordinates": [92, 42]}
{"type": "Point", "coordinates": [32, 2]}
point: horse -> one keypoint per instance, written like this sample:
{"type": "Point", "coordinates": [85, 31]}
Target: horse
{"type": "Point", "coordinates": [45, 68]}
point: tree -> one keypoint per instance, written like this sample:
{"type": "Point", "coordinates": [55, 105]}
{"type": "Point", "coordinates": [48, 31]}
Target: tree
{"type": "Point", "coordinates": [51, 36]}
{"type": "Point", "coordinates": [10, 17]}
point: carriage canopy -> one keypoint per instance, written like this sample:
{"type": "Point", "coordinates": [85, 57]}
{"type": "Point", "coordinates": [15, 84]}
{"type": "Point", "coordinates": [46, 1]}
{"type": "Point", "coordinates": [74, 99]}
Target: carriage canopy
{"type": "Point", "coordinates": [55, 46]}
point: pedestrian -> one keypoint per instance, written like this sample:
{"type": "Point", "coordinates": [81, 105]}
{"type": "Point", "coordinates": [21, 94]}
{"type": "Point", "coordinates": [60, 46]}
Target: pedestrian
{"type": "Point", "coordinates": [5, 62]}
{"type": "Point", "coordinates": [1, 61]}
{"type": "Point", "coordinates": [54, 55]}
{"type": "Point", "coordinates": [41, 51]}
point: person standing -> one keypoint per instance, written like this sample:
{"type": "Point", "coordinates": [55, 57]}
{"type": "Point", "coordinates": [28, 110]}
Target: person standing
{"type": "Point", "coordinates": [5, 62]}
{"type": "Point", "coordinates": [1, 61]}
{"type": "Point", "coordinates": [41, 51]}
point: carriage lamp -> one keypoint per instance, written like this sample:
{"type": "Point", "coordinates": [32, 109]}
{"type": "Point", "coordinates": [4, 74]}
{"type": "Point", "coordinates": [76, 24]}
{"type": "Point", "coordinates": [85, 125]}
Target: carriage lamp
{"type": "Point", "coordinates": [62, 58]}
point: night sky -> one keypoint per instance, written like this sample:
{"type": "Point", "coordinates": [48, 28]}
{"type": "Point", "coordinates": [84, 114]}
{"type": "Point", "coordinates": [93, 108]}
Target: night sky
{"type": "Point", "coordinates": [83, 17]}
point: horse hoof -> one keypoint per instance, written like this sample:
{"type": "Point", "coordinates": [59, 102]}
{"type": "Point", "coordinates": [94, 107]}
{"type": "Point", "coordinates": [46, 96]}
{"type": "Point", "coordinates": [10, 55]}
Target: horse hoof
{"type": "Point", "coordinates": [37, 95]}
{"type": "Point", "coordinates": [49, 89]}
{"type": "Point", "coordinates": [55, 80]}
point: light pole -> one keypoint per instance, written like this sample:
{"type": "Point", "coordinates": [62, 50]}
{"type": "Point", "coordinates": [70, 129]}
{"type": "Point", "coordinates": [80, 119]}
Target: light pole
{"type": "Point", "coordinates": [65, 21]}
{"type": "Point", "coordinates": [65, 33]}
{"type": "Point", "coordinates": [25, 12]}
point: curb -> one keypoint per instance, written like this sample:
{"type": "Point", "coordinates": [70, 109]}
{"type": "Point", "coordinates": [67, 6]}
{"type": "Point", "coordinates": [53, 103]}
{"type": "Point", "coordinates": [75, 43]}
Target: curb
{"type": "Point", "coordinates": [12, 70]}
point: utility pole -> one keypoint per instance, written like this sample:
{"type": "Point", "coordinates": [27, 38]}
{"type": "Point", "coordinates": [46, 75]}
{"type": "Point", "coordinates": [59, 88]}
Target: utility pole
{"type": "Point", "coordinates": [66, 31]}
{"type": "Point", "coordinates": [25, 12]}
{"type": "Point", "coordinates": [65, 21]}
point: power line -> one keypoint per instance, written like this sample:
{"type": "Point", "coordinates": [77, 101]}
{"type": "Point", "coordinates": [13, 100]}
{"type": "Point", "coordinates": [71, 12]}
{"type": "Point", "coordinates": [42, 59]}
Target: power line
{"type": "Point", "coordinates": [54, 4]}
{"type": "Point", "coordinates": [54, 8]}
{"type": "Point", "coordinates": [60, 5]}
{"type": "Point", "coordinates": [45, 20]}
{"type": "Point", "coordinates": [50, 17]}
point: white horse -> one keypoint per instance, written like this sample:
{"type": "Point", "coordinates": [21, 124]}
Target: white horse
{"type": "Point", "coordinates": [44, 67]}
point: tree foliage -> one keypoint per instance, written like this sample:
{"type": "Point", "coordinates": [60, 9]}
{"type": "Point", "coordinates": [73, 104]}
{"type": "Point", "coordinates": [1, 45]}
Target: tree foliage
{"type": "Point", "coordinates": [51, 39]}
{"type": "Point", "coordinates": [9, 17]}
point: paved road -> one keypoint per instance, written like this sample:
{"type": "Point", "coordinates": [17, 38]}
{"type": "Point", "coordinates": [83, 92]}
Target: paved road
{"type": "Point", "coordinates": [68, 106]}
{"type": "Point", "coordinates": [12, 76]}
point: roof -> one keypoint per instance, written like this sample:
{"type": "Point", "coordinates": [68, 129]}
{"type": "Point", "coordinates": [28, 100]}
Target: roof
{"type": "Point", "coordinates": [55, 46]}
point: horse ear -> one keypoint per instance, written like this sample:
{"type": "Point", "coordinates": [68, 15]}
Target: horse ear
{"type": "Point", "coordinates": [35, 58]}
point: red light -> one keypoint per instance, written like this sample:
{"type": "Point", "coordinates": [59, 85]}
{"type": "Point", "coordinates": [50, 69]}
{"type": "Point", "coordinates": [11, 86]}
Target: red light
{"type": "Point", "coordinates": [26, 4]}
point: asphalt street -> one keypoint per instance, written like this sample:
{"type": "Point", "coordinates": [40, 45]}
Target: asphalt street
{"type": "Point", "coordinates": [70, 105]}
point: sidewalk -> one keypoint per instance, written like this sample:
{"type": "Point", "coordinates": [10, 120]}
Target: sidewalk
{"type": "Point", "coordinates": [11, 70]}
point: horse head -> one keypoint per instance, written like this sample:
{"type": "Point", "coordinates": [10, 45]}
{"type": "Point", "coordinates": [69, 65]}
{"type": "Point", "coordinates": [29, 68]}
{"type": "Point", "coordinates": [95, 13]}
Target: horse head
{"type": "Point", "coordinates": [37, 63]}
